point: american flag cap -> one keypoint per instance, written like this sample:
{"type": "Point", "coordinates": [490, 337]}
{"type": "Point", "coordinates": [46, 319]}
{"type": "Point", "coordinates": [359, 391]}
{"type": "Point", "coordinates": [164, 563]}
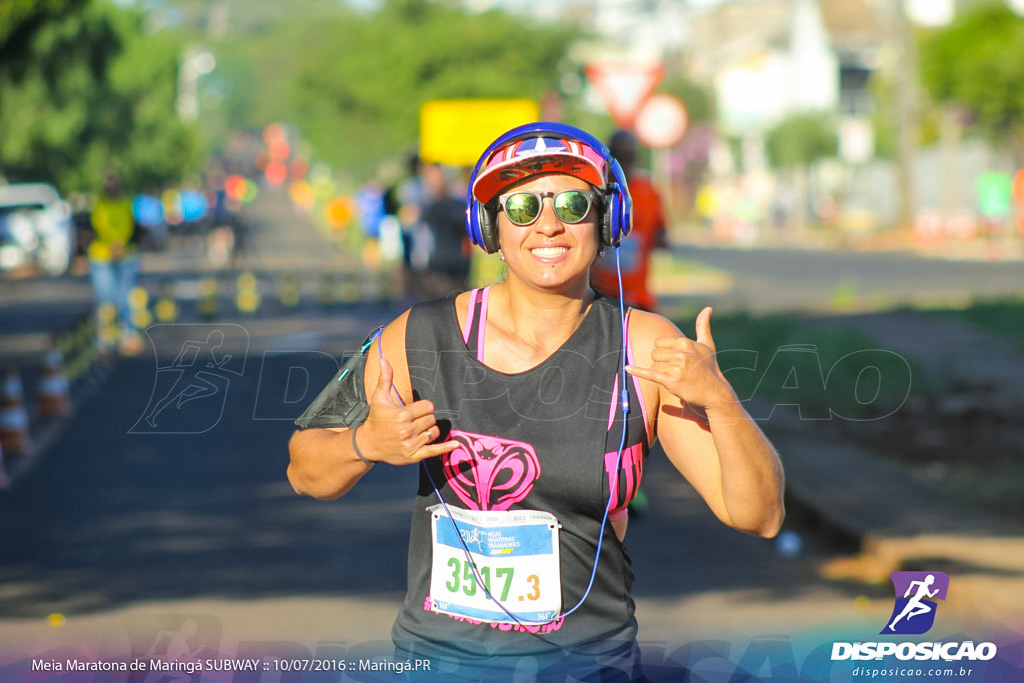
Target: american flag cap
{"type": "Point", "coordinates": [532, 156]}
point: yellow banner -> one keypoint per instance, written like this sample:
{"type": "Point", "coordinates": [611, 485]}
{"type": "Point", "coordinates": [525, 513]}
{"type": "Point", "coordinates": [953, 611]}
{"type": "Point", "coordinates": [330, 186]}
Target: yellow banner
{"type": "Point", "coordinates": [456, 132]}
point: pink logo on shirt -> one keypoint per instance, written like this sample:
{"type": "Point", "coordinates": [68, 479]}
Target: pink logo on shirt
{"type": "Point", "coordinates": [490, 473]}
{"type": "Point", "coordinates": [631, 470]}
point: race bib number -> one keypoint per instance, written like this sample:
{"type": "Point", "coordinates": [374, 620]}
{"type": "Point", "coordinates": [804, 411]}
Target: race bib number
{"type": "Point", "coordinates": [494, 560]}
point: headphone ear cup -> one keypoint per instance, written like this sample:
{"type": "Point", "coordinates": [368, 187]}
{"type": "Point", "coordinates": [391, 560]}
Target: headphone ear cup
{"type": "Point", "coordinates": [618, 219]}
{"type": "Point", "coordinates": [488, 223]}
{"type": "Point", "coordinates": [625, 215]}
{"type": "Point", "coordinates": [473, 221]}
{"type": "Point", "coordinates": [620, 204]}
{"type": "Point", "coordinates": [608, 236]}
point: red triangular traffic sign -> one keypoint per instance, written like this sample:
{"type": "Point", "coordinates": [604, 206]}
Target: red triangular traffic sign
{"type": "Point", "coordinates": [624, 86]}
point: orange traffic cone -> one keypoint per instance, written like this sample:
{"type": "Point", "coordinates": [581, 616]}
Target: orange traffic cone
{"type": "Point", "coordinates": [14, 436]}
{"type": "Point", "coordinates": [54, 399]}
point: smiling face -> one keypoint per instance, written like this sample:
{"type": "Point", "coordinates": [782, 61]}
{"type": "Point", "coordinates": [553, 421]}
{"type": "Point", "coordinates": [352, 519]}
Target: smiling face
{"type": "Point", "coordinates": [549, 254]}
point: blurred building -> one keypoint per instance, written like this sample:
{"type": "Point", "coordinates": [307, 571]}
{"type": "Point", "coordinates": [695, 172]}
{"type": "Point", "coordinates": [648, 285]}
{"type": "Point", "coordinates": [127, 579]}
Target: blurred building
{"type": "Point", "coordinates": [768, 60]}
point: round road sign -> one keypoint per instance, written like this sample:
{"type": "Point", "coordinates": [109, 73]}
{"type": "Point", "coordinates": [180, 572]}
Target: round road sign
{"type": "Point", "coordinates": [662, 121]}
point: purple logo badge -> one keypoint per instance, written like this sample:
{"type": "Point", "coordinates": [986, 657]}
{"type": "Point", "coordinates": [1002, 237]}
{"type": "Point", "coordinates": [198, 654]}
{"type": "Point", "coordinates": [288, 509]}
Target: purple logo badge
{"type": "Point", "coordinates": [916, 593]}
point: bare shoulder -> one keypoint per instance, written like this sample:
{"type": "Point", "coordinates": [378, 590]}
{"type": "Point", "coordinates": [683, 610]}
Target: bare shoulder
{"type": "Point", "coordinates": [393, 337]}
{"type": "Point", "coordinates": [390, 345]}
{"type": "Point", "coordinates": [646, 327]}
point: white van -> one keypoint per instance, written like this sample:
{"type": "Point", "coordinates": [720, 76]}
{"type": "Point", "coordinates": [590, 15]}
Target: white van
{"type": "Point", "coordinates": [35, 228]}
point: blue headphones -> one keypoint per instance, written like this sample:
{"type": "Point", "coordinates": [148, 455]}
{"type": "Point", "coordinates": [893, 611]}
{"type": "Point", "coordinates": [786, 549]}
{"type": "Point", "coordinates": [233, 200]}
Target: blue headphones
{"type": "Point", "coordinates": [617, 208]}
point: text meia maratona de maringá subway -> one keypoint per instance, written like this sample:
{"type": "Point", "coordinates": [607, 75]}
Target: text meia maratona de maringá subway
{"type": "Point", "coordinates": [188, 667]}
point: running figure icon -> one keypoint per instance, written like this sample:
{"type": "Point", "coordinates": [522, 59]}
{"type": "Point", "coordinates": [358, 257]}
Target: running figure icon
{"type": "Point", "coordinates": [916, 605]}
{"type": "Point", "coordinates": [178, 654]}
{"type": "Point", "coordinates": [191, 384]}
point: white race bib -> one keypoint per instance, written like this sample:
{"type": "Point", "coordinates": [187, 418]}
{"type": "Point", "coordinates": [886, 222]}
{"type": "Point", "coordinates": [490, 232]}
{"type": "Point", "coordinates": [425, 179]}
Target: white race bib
{"type": "Point", "coordinates": [512, 562]}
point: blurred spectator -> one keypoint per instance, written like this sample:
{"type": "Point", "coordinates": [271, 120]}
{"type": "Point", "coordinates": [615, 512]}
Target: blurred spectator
{"type": "Point", "coordinates": [370, 205]}
{"type": "Point", "coordinates": [444, 219]}
{"type": "Point", "coordinates": [148, 211]}
{"type": "Point", "coordinates": [227, 236]}
{"type": "Point", "coordinates": [648, 233]}
{"type": "Point", "coordinates": [114, 266]}
{"type": "Point", "coordinates": [407, 199]}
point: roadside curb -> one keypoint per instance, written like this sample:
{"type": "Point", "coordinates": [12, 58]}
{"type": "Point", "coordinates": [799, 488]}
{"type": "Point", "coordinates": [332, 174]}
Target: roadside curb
{"type": "Point", "coordinates": [887, 521]}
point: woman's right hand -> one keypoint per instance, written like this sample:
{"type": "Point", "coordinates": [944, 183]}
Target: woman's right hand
{"type": "Point", "coordinates": [399, 434]}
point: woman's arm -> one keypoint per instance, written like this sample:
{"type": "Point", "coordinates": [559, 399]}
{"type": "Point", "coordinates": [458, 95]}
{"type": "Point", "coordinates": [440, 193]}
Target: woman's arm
{"type": "Point", "coordinates": [704, 428]}
{"type": "Point", "coordinates": [324, 462]}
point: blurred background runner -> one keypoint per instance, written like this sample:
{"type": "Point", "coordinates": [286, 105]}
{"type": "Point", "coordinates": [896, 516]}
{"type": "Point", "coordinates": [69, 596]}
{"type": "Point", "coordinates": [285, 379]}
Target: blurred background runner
{"type": "Point", "coordinates": [648, 232]}
{"type": "Point", "coordinates": [114, 266]}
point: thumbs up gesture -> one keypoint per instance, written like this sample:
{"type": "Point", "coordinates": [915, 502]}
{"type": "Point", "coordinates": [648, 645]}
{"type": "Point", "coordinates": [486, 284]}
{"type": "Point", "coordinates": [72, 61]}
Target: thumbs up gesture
{"type": "Point", "coordinates": [395, 433]}
{"type": "Point", "coordinates": [688, 368]}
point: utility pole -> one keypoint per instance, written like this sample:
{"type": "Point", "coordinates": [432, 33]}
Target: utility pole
{"type": "Point", "coordinates": [906, 114]}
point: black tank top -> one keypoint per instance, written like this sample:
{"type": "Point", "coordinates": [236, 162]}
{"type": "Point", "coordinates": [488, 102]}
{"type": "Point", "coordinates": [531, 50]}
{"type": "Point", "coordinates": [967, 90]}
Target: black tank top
{"type": "Point", "coordinates": [544, 439]}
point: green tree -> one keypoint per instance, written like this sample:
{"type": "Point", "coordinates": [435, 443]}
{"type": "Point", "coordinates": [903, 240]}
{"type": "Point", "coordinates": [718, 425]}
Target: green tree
{"type": "Point", "coordinates": [91, 97]}
{"type": "Point", "coordinates": [794, 145]}
{"type": "Point", "coordinates": [360, 93]}
{"type": "Point", "coordinates": [801, 140]}
{"type": "Point", "coordinates": [977, 63]}
{"type": "Point", "coordinates": [154, 146]}
{"type": "Point", "coordinates": [20, 21]}
{"type": "Point", "coordinates": [353, 84]}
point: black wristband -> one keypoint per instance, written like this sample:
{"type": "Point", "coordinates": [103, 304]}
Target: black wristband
{"type": "Point", "coordinates": [355, 447]}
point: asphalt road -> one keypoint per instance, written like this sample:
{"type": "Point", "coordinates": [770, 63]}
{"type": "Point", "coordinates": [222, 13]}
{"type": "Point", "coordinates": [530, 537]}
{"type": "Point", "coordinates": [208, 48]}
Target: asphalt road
{"type": "Point", "coordinates": [768, 280]}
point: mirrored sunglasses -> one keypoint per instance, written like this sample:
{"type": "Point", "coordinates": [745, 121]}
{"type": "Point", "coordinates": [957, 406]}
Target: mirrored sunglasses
{"type": "Point", "coordinates": [523, 208]}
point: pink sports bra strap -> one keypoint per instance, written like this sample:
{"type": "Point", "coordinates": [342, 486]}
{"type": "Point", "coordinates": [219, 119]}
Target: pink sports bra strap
{"type": "Point", "coordinates": [476, 322]}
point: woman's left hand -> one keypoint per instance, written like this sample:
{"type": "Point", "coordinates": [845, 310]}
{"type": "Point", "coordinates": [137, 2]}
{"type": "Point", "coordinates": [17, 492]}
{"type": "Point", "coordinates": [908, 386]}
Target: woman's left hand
{"type": "Point", "coordinates": [688, 369]}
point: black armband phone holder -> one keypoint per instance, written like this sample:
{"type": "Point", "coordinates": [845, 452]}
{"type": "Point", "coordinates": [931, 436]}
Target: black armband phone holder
{"type": "Point", "coordinates": [342, 403]}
